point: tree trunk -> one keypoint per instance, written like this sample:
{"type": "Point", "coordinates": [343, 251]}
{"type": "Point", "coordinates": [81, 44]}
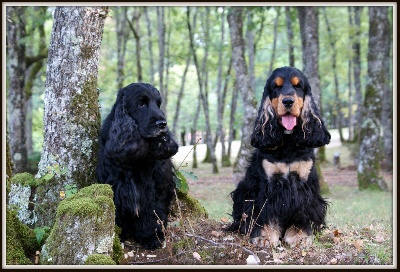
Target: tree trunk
{"type": "Point", "coordinates": [161, 54]}
{"type": "Point", "coordinates": [387, 106]}
{"type": "Point", "coordinates": [357, 70]}
{"type": "Point", "coordinates": [180, 96]}
{"type": "Point", "coordinates": [290, 36]}
{"type": "Point", "coordinates": [370, 155]}
{"type": "Point", "coordinates": [17, 96]}
{"type": "Point", "coordinates": [235, 20]}
{"type": "Point", "coordinates": [202, 79]}
{"type": "Point", "coordinates": [231, 136]}
{"type": "Point", "coordinates": [335, 76]}
{"type": "Point", "coordinates": [122, 38]}
{"type": "Point", "coordinates": [71, 110]}
{"type": "Point", "coordinates": [150, 37]}
{"type": "Point", "coordinates": [350, 82]}
{"type": "Point", "coordinates": [273, 51]}
{"type": "Point", "coordinates": [135, 27]}
{"type": "Point", "coordinates": [308, 18]}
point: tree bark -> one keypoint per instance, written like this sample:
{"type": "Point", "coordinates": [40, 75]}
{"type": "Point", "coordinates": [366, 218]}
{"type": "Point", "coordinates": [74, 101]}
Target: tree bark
{"type": "Point", "coordinates": [202, 80]}
{"type": "Point", "coordinates": [161, 52]}
{"type": "Point", "coordinates": [273, 51]}
{"type": "Point", "coordinates": [71, 110]}
{"type": "Point", "coordinates": [135, 28]}
{"type": "Point", "coordinates": [308, 18]}
{"type": "Point", "coordinates": [150, 37]}
{"type": "Point", "coordinates": [335, 76]}
{"type": "Point", "coordinates": [235, 20]}
{"type": "Point", "coordinates": [17, 110]}
{"type": "Point", "coordinates": [290, 36]}
{"type": "Point", "coordinates": [357, 70]}
{"type": "Point", "coordinates": [122, 38]}
{"type": "Point", "coordinates": [370, 154]}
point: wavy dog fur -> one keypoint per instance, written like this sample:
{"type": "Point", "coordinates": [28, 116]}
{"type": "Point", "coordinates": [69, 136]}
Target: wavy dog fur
{"type": "Point", "coordinates": [134, 158]}
{"type": "Point", "coordinates": [279, 197]}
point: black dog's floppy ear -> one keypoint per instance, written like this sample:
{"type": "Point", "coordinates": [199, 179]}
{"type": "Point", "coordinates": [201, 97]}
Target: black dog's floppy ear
{"type": "Point", "coordinates": [266, 133]}
{"type": "Point", "coordinates": [311, 132]}
{"type": "Point", "coordinates": [124, 140]}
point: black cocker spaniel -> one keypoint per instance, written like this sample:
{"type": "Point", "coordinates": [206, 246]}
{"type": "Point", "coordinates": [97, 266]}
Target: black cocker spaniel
{"type": "Point", "coordinates": [134, 158]}
{"type": "Point", "coordinates": [279, 198]}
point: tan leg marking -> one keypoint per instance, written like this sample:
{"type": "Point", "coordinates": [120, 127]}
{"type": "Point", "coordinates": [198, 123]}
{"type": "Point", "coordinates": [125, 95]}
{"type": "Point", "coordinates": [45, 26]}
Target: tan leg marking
{"type": "Point", "coordinates": [269, 236]}
{"type": "Point", "coordinates": [296, 237]}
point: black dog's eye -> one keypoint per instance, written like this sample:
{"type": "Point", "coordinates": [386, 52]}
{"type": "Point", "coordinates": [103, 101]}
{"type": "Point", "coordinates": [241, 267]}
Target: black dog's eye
{"type": "Point", "coordinates": [143, 102]}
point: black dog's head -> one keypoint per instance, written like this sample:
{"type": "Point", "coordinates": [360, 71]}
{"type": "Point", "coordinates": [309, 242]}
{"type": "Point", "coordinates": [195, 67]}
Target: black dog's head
{"type": "Point", "coordinates": [287, 107]}
{"type": "Point", "coordinates": [136, 128]}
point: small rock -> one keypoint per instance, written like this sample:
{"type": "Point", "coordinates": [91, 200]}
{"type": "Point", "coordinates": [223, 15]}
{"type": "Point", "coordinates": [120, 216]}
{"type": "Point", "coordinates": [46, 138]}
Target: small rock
{"type": "Point", "coordinates": [252, 260]}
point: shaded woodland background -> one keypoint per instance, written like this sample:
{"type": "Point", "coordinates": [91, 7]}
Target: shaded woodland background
{"type": "Point", "coordinates": [186, 53]}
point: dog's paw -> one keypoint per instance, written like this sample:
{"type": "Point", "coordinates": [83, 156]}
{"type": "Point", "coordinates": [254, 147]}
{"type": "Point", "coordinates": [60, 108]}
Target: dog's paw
{"type": "Point", "coordinates": [269, 236]}
{"type": "Point", "coordinates": [297, 238]}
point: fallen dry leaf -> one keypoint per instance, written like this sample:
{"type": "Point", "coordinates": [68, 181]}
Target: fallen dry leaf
{"type": "Point", "coordinates": [216, 233]}
{"type": "Point", "coordinates": [358, 244]}
{"type": "Point", "coordinates": [379, 238]}
{"type": "Point", "coordinates": [303, 253]}
{"type": "Point", "coordinates": [224, 220]}
{"type": "Point", "coordinates": [337, 233]}
{"type": "Point", "coordinates": [333, 261]}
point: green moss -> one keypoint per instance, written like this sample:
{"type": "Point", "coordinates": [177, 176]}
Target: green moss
{"type": "Point", "coordinates": [91, 207]}
{"type": "Point", "coordinates": [20, 241]}
{"type": "Point", "coordinates": [88, 200]}
{"type": "Point", "coordinates": [85, 108]}
{"type": "Point", "coordinates": [99, 259]}
{"type": "Point", "coordinates": [118, 252]}
{"type": "Point", "coordinates": [24, 179]}
{"type": "Point", "coordinates": [183, 244]}
{"type": "Point", "coordinates": [191, 207]}
{"type": "Point", "coordinates": [9, 168]}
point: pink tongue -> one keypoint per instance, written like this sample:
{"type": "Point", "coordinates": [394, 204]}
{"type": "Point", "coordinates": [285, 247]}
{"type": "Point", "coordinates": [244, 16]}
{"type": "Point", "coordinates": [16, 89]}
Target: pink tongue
{"type": "Point", "coordinates": [289, 121]}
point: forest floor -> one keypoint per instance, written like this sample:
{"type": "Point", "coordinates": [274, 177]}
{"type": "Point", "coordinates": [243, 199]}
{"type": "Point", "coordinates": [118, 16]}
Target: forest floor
{"type": "Point", "coordinates": [359, 226]}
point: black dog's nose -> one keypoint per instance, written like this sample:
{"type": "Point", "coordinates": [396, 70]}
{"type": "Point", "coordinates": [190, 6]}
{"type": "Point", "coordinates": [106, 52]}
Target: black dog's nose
{"type": "Point", "coordinates": [288, 102]}
{"type": "Point", "coordinates": [161, 124]}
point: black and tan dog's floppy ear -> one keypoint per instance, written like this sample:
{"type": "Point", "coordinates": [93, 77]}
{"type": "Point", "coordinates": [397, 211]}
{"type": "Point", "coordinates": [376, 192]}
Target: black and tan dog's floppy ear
{"type": "Point", "coordinates": [266, 133]}
{"type": "Point", "coordinates": [311, 131]}
{"type": "Point", "coordinates": [123, 139]}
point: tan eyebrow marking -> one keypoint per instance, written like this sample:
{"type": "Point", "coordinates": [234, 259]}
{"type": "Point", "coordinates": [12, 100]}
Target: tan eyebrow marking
{"type": "Point", "coordinates": [295, 80]}
{"type": "Point", "coordinates": [279, 81]}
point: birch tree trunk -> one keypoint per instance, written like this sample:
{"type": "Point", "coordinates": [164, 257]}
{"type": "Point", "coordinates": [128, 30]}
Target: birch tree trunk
{"type": "Point", "coordinates": [71, 110]}
{"type": "Point", "coordinates": [235, 20]}
{"type": "Point", "coordinates": [273, 52]}
{"type": "Point", "coordinates": [370, 154]}
{"type": "Point", "coordinates": [135, 28]}
{"type": "Point", "coordinates": [161, 54]}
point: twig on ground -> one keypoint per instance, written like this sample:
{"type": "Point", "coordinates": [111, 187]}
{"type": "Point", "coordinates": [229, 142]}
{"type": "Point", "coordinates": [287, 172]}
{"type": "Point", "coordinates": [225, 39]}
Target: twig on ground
{"type": "Point", "coordinates": [158, 260]}
{"type": "Point", "coordinates": [223, 243]}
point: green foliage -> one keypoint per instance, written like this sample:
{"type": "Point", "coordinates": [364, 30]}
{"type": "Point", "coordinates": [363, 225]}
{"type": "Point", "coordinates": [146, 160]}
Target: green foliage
{"type": "Point", "coordinates": [181, 181]}
{"type": "Point", "coordinates": [40, 233]}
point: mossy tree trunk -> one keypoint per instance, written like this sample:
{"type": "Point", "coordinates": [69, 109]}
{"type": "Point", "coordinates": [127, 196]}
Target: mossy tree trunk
{"type": "Point", "coordinates": [235, 21]}
{"type": "Point", "coordinates": [370, 154]}
{"type": "Point", "coordinates": [71, 110]}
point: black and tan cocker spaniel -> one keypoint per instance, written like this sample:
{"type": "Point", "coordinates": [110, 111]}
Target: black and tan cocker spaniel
{"type": "Point", "coordinates": [279, 198]}
{"type": "Point", "coordinates": [134, 158]}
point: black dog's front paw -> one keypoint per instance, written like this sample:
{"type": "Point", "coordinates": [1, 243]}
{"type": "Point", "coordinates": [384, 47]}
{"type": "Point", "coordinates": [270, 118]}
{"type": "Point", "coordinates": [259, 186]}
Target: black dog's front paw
{"type": "Point", "coordinates": [152, 242]}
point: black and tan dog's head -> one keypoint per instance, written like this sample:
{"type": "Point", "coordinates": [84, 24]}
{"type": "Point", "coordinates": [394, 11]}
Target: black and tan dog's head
{"type": "Point", "coordinates": [287, 107]}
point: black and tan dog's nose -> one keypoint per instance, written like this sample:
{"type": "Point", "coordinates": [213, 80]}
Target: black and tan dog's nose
{"type": "Point", "coordinates": [288, 102]}
{"type": "Point", "coordinates": [161, 124]}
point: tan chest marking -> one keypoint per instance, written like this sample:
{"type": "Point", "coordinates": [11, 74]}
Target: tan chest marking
{"type": "Point", "coordinates": [303, 168]}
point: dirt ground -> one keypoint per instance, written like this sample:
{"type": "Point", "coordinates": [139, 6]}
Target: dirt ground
{"type": "Point", "coordinates": [204, 241]}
